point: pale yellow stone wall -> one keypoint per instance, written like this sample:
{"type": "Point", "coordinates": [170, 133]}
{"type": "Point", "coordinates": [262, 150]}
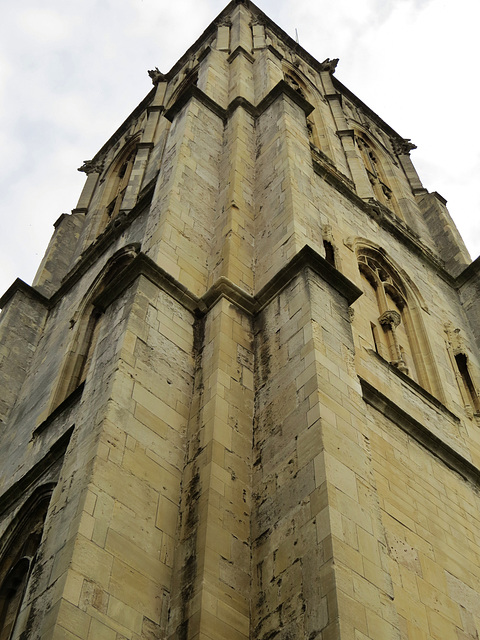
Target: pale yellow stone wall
{"type": "Point", "coordinates": [179, 233]}
{"type": "Point", "coordinates": [212, 562]}
{"type": "Point", "coordinates": [116, 563]}
{"type": "Point", "coordinates": [319, 548]}
{"type": "Point", "coordinates": [431, 517]}
{"type": "Point", "coordinates": [227, 474]}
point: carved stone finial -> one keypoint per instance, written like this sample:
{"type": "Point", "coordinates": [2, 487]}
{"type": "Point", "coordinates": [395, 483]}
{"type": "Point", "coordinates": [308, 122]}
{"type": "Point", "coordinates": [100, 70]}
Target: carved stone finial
{"type": "Point", "coordinates": [156, 76]}
{"type": "Point", "coordinates": [91, 166]}
{"type": "Point", "coordinates": [329, 65]}
{"type": "Point", "coordinates": [402, 146]}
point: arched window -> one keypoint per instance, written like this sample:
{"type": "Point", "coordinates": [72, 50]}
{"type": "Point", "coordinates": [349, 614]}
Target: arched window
{"type": "Point", "coordinates": [120, 179]}
{"type": "Point", "coordinates": [18, 557]}
{"type": "Point", "coordinates": [312, 119]}
{"type": "Point", "coordinates": [86, 325]}
{"type": "Point", "coordinates": [117, 182]}
{"type": "Point", "coordinates": [376, 174]}
{"type": "Point", "coordinates": [187, 78]}
{"type": "Point", "coordinates": [394, 315]}
{"type": "Point", "coordinates": [464, 376]}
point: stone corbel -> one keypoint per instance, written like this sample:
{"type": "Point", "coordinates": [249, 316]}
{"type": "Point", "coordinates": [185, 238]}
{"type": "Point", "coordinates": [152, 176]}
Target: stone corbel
{"type": "Point", "coordinates": [391, 320]}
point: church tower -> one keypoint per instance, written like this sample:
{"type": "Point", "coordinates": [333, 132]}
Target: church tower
{"type": "Point", "coordinates": [240, 400]}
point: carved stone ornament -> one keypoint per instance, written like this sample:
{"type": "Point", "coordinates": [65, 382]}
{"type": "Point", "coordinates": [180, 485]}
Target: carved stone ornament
{"type": "Point", "coordinates": [402, 146]}
{"type": "Point", "coordinates": [401, 366]}
{"type": "Point", "coordinates": [455, 338]}
{"type": "Point", "coordinates": [156, 76]}
{"type": "Point", "coordinates": [92, 166]}
{"type": "Point", "coordinates": [390, 318]}
{"type": "Point", "coordinates": [329, 65]}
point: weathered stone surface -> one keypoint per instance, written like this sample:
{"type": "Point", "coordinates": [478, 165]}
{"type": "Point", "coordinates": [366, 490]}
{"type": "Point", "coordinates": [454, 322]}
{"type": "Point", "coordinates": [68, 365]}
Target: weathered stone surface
{"type": "Point", "coordinates": [241, 399]}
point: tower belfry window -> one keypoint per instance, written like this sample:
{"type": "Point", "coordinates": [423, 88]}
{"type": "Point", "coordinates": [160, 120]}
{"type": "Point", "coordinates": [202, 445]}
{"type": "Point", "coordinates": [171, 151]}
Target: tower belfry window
{"type": "Point", "coordinates": [19, 558]}
{"type": "Point", "coordinates": [376, 175]}
{"type": "Point", "coordinates": [329, 252]}
{"type": "Point", "coordinates": [119, 186]}
{"type": "Point", "coordinates": [463, 373]}
{"type": "Point", "coordinates": [396, 328]}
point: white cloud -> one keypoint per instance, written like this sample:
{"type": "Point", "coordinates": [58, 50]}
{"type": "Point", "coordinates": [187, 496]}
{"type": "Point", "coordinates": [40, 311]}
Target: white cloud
{"type": "Point", "coordinates": [46, 26]}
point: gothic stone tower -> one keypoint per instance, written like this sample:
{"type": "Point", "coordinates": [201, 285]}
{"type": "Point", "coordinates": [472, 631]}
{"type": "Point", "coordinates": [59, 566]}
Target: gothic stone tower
{"type": "Point", "coordinates": [240, 399]}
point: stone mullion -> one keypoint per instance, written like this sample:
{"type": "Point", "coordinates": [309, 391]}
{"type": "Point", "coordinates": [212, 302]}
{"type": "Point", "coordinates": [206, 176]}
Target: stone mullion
{"type": "Point", "coordinates": [215, 536]}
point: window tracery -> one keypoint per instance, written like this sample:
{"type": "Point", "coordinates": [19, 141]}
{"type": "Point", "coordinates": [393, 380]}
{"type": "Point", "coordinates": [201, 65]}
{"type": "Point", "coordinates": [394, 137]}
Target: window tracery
{"type": "Point", "coordinates": [376, 175]}
{"type": "Point", "coordinates": [391, 302]}
{"type": "Point", "coordinates": [120, 179]}
{"type": "Point", "coordinates": [18, 558]}
{"type": "Point", "coordinates": [397, 329]}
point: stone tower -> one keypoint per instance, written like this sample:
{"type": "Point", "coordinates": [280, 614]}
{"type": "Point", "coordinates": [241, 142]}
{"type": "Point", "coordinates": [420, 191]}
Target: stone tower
{"type": "Point", "coordinates": [241, 398]}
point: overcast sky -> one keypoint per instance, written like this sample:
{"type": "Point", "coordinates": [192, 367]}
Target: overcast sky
{"type": "Point", "coordinates": [71, 72]}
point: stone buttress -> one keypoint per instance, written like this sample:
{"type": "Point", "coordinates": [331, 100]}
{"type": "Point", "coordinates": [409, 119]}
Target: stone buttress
{"type": "Point", "coordinates": [241, 398]}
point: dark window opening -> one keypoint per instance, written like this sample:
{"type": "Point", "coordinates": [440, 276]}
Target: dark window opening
{"type": "Point", "coordinates": [462, 364]}
{"type": "Point", "coordinates": [329, 252]}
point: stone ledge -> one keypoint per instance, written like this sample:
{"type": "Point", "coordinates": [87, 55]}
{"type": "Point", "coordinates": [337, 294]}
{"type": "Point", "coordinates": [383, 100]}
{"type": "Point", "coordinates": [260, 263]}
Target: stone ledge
{"type": "Point", "coordinates": [22, 287]}
{"type": "Point", "coordinates": [192, 91]}
{"type": "Point", "coordinates": [18, 489]}
{"type": "Point", "coordinates": [472, 272]}
{"type": "Point", "coordinates": [69, 401]}
{"type": "Point", "coordinates": [307, 257]}
{"type": "Point", "coordinates": [417, 387]}
{"type": "Point", "coordinates": [451, 458]}
{"type": "Point", "coordinates": [240, 51]}
{"type": "Point", "coordinates": [283, 88]}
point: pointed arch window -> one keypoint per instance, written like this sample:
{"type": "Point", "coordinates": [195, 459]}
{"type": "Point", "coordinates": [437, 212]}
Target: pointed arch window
{"type": "Point", "coordinates": [376, 175]}
{"type": "Point", "coordinates": [120, 179]}
{"type": "Point", "coordinates": [18, 558]}
{"type": "Point", "coordinates": [294, 81]}
{"type": "Point", "coordinates": [86, 326]}
{"type": "Point", "coordinates": [398, 331]}
{"type": "Point", "coordinates": [467, 384]}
